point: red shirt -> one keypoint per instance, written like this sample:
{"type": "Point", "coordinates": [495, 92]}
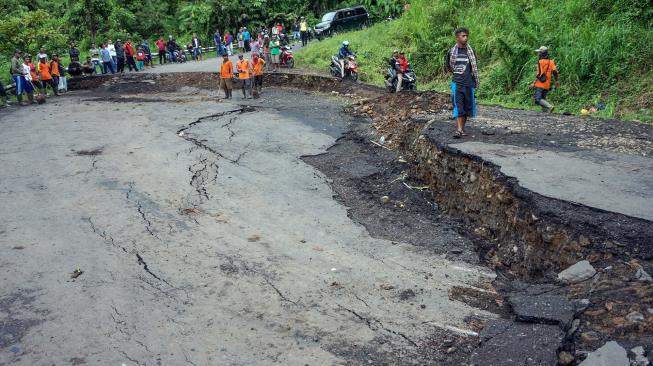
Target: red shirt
{"type": "Point", "coordinates": [140, 55]}
{"type": "Point", "coordinates": [403, 64]}
{"type": "Point", "coordinates": [129, 50]}
{"type": "Point", "coordinates": [161, 45]}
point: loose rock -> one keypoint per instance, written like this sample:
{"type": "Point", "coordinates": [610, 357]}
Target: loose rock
{"type": "Point", "coordinates": [640, 359]}
{"type": "Point", "coordinates": [611, 354]}
{"type": "Point", "coordinates": [635, 317]}
{"type": "Point", "coordinates": [643, 276]}
{"type": "Point", "coordinates": [565, 358]}
{"type": "Point", "coordinates": [580, 271]}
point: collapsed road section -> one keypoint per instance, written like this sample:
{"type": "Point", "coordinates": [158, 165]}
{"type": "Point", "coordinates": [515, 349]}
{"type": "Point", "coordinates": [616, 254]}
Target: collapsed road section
{"type": "Point", "coordinates": [284, 230]}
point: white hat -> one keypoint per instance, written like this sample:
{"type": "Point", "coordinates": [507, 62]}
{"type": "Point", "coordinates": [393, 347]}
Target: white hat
{"type": "Point", "coordinates": [542, 49]}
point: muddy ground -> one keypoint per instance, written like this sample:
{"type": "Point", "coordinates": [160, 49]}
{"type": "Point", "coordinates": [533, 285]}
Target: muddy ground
{"type": "Point", "coordinates": [416, 287]}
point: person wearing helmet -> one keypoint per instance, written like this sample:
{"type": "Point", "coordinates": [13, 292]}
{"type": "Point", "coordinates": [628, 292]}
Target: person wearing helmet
{"type": "Point", "coordinates": [342, 55]}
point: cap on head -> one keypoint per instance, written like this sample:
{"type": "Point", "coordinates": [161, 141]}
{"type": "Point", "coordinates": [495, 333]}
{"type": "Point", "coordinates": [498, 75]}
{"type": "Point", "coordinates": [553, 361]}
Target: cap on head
{"type": "Point", "coordinates": [542, 49]}
{"type": "Point", "coordinates": [345, 43]}
{"type": "Point", "coordinates": [17, 51]}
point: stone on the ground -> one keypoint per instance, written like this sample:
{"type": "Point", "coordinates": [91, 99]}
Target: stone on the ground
{"type": "Point", "coordinates": [640, 358]}
{"type": "Point", "coordinates": [580, 271]}
{"type": "Point", "coordinates": [635, 316]}
{"type": "Point", "coordinates": [565, 358]}
{"type": "Point", "coordinates": [611, 354]}
{"type": "Point", "coordinates": [503, 343]}
{"type": "Point", "coordinates": [543, 309]}
{"type": "Point", "coordinates": [643, 276]}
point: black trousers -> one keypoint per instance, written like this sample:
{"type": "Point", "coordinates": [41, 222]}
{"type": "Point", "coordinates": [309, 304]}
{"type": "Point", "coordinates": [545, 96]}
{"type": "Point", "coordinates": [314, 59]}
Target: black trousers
{"type": "Point", "coordinates": [131, 63]}
{"type": "Point", "coordinates": [121, 64]}
{"type": "Point", "coordinates": [162, 57]}
{"type": "Point", "coordinates": [304, 38]}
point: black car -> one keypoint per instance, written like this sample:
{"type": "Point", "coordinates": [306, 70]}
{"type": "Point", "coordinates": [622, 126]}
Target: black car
{"type": "Point", "coordinates": [342, 19]}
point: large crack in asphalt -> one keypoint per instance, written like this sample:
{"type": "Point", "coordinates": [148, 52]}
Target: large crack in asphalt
{"type": "Point", "coordinates": [108, 238]}
{"type": "Point", "coordinates": [205, 172]}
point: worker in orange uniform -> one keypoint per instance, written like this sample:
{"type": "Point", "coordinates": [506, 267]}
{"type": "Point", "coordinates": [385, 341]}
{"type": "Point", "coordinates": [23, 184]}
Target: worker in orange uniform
{"type": "Point", "coordinates": [244, 67]}
{"type": "Point", "coordinates": [226, 76]}
{"type": "Point", "coordinates": [257, 69]}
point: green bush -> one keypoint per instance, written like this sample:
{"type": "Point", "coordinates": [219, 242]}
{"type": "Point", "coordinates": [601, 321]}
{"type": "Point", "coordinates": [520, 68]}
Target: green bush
{"type": "Point", "coordinates": [603, 49]}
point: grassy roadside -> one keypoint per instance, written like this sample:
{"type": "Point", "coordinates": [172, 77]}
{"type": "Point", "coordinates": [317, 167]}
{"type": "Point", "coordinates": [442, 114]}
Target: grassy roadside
{"type": "Point", "coordinates": [593, 52]}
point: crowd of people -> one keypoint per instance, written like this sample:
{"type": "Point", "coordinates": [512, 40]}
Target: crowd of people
{"type": "Point", "coordinates": [265, 46]}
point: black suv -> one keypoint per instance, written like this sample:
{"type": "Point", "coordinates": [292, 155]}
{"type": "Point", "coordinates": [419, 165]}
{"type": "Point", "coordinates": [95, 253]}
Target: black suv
{"type": "Point", "coordinates": [342, 19]}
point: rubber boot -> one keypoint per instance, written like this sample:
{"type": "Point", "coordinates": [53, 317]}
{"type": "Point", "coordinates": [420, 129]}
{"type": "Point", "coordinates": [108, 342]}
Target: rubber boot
{"type": "Point", "coordinates": [19, 98]}
{"type": "Point", "coordinates": [30, 97]}
{"type": "Point", "coordinates": [244, 93]}
{"type": "Point", "coordinates": [3, 102]}
{"type": "Point", "coordinates": [546, 106]}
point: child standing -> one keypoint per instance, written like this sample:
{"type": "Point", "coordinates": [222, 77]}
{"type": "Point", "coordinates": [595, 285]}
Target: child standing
{"type": "Point", "coordinates": [140, 58]}
{"type": "Point", "coordinates": [55, 73]}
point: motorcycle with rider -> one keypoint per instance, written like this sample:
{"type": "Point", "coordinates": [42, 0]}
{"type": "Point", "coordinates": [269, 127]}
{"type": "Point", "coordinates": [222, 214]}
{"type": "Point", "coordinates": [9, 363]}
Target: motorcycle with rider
{"type": "Point", "coordinates": [344, 63]}
{"type": "Point", "coordinates": [400, 75]}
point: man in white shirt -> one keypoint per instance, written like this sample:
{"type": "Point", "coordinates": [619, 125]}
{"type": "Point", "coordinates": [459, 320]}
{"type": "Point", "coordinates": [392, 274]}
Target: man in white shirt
{"type": "Point", "coordinates": [112, 52]}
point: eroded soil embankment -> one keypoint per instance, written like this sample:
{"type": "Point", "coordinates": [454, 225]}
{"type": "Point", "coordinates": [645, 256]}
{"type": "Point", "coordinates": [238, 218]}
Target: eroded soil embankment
{"type": "Point", "coordinates": [527, 235]}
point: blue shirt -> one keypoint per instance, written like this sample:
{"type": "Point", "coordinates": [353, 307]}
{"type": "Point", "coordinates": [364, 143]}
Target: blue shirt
{"type": "Point", "coordinates": [105, 55]}
{"type": "Point", "coordinates": [344, 52]}
{"type": "Point", "coordinates": [246, 36]}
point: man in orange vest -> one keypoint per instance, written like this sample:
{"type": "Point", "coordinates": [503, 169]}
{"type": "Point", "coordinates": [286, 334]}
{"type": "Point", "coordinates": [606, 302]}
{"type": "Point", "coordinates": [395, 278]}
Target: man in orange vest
{"type": "Point", "coordinates": [243, 66]}
{"type": "Point", "coordinates": [257, 70]}
{"type": "Point", "coordinates": [546, 67]}
{"type": "Point", "coordinates": [226, 76]}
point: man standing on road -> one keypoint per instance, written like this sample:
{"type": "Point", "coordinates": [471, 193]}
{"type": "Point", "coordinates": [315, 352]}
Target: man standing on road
{"type": "Point", "coordinates": [226, 76]}
{"type": "Point", "coordinates": [257, 70]}
{"type": "Point", "coordinates": [217, 39]}
{"type": "Point", "coordinates": [461, 60]}
{"type": "Point", "coordinates": [545, 68]}
{"type": "Point", "coordinates": [129, 55]}
{"type": "Point", "coordinates": [161, 46]}
{"type": "Point", "coordinates": [112, 51]}
{"type": "Point", "coordinates": [275, 50]}
{"type": "Point", "coordinates": [120, 57]}
{"type": "Point", "coordinates": [172, 47]}
{"type": "Point", "coordinates": [17, 74]}
{"type": "Point", "coordinates": [107, 63]}
{"type": "Point", "coordinates": [247, 40]}
{"type": "Point", "coordinates": [243, 67]}
{"type": "Point", "coordinates": [197, 48]}
{"type": "Point", "coordinates": [303, 30]}
{"type": "Point", "coordinates": [73, 52]}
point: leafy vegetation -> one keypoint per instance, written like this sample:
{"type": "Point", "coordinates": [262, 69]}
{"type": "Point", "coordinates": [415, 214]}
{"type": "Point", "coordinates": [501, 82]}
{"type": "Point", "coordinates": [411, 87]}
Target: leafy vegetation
{"type": "Point", "coordinates": [603, 49]}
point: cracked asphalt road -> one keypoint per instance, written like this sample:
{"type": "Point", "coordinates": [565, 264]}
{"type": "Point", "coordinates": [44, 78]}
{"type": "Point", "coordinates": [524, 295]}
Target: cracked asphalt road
{"type": "Point", "coordinates": [203, 239]}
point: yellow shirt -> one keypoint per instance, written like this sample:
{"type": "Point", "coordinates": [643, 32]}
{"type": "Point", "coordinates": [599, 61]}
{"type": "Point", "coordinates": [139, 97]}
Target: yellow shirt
{"type": "Point", "coordinates": [303, 26]}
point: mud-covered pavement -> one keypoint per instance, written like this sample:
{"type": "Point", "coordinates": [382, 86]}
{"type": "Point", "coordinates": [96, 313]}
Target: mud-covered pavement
{"type": "Point", "coordinates": [203, 238]}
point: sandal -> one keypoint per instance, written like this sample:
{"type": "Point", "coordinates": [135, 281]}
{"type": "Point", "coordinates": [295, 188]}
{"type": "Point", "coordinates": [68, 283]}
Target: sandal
{"type": "Point", "coordinates": [458, 135]}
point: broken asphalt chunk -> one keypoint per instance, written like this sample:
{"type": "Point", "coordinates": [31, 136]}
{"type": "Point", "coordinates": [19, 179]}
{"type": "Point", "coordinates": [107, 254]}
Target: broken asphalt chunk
{"type": "Point", "coordinates": [611, 354]}
{"type": "Point", "coordinates": [543, 309]}
{"type": "Point", "coordinates": [503, 343]}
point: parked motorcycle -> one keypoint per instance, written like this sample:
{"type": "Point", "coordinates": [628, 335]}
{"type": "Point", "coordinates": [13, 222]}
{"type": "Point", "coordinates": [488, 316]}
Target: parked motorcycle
{"type": "Point", "coordinates": [287, 57]}
{"type": "Point", "coordinates": [409, 80]}
{"type": "Point", "coordinates": [351, 67]}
